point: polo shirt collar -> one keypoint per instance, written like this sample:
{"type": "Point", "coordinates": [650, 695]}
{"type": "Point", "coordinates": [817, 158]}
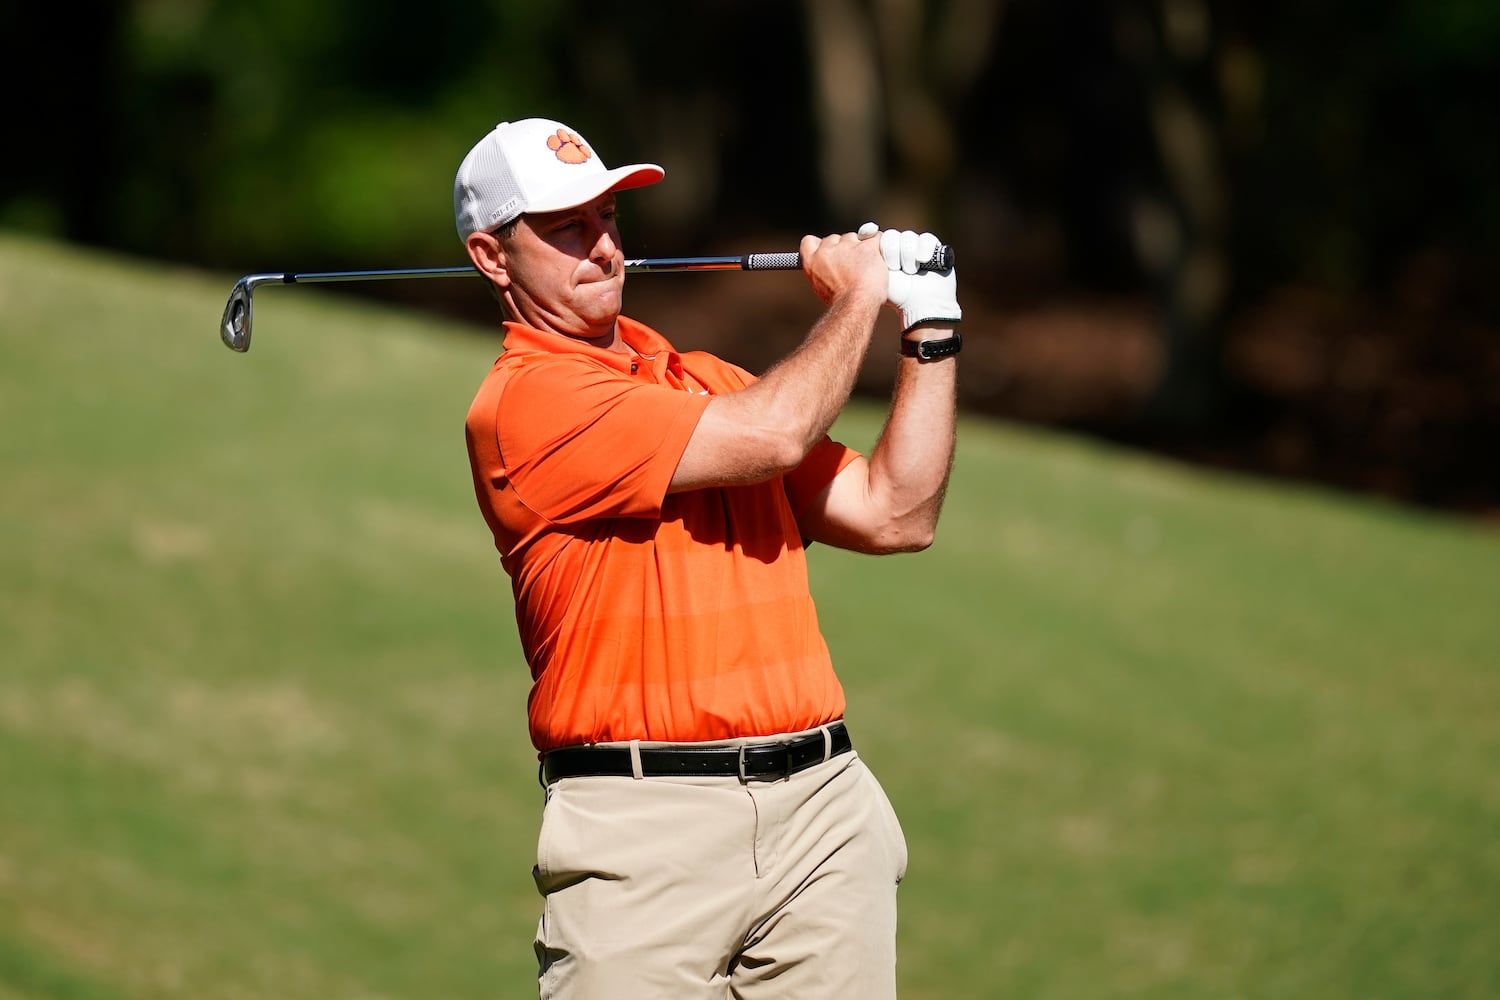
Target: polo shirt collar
{"type": "Point", "coordinates": [645, 341]}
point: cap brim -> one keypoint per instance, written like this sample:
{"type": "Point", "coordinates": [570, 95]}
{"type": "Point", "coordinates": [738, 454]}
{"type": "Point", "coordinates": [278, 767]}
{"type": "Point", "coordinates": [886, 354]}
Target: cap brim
{"type": "Point", "coordinates": [586, 189]}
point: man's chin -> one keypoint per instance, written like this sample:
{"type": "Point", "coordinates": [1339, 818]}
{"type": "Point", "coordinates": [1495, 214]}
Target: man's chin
{"type": "Point", "coordinates": [602, 307]}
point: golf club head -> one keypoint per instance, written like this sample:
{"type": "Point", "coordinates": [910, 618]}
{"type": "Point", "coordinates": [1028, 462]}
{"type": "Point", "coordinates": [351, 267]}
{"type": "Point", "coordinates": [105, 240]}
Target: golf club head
{"type": "Point", "coordinates": [235, 328]}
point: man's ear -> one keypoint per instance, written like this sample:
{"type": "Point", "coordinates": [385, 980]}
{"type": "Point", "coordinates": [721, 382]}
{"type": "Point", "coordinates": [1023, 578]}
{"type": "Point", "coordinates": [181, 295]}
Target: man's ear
{"type": "Point", "coordinates": [489, 257]}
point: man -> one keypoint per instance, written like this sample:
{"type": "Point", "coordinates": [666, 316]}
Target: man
{"type": "Point", "coordinates": [708, 830]}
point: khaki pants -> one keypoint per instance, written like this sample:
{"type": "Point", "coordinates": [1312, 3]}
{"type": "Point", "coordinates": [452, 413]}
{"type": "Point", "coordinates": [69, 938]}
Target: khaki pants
{"type": "Point", "coordinates": [706, 887]}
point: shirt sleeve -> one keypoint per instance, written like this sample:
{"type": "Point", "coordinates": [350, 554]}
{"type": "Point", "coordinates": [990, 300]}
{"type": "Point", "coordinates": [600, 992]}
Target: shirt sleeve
{"type": "Point", "coordinates": [826, 460]}
{"type": "Point", "coordinates": [579, 442]}
{"type": "Point", "coordinates": [821, 466]}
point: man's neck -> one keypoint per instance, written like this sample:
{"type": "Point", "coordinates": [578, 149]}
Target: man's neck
{"type": "Point", "coordinates": [611, 341]}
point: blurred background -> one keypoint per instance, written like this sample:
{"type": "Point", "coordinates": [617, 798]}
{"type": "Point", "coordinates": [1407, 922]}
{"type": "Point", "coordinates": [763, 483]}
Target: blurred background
{"type": "Point", "coordinates": [1262, 235]}
{"type": "Point", "coordinates": [261, 698]}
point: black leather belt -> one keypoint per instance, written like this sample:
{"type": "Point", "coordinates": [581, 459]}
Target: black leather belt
{"type": "Point", "coordinates": [752, 762]}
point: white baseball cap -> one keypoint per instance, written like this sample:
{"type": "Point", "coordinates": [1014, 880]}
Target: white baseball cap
{"type": "Point", "coordinates": [534, 165]}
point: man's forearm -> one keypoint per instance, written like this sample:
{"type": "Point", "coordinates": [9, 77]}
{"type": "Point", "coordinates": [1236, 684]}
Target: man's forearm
{"type": "Point", "coordinates": [807, 389]}
{"type": "Point", "coordinates": [912, 459]}
{"type": "Point", "coordinates": [768, 428]}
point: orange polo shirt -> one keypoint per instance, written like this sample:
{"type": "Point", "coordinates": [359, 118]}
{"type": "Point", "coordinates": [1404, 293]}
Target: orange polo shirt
{"type": "Point", "coordinates": [644, 615]}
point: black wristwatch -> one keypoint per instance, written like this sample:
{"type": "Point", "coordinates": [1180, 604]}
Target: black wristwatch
{"type": "Point", "coordinates": [931, 350]}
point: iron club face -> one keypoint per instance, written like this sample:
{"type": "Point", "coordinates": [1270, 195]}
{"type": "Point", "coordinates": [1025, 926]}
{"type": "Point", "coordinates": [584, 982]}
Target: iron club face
{"type": "Point", "coordinates": [235, 328]}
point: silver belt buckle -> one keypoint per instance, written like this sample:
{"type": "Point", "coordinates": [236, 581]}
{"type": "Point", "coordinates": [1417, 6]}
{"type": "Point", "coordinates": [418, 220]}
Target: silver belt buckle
{"type": "Point", "coordinates": [744, 778]}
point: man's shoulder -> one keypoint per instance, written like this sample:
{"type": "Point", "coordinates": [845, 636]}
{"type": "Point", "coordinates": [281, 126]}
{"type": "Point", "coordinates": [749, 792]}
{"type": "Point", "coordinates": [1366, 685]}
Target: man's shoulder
{"type": "Point", "coordinates": [531, 378]}
{"type": "Point", "coordinates": [725, 375]}
{"type": "Point", "coordinates": [516, 361]}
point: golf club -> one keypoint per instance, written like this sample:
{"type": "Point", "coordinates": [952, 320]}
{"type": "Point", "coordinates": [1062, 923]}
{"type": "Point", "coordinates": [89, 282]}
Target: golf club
{"type": "Point", "coordinates": [234, 330]}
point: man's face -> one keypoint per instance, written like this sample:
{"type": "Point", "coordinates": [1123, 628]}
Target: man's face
{"type": "Point", "coordinates": [566, 271]}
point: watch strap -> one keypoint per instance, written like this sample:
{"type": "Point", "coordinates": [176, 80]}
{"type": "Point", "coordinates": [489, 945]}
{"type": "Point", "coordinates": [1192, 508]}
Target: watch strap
{"type": "Point", "coordinates": [931, 350]}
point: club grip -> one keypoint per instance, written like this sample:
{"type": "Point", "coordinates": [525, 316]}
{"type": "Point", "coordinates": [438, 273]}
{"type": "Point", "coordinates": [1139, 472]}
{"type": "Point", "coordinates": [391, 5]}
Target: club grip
{"type": "Point", "coordinates": [941, 260]}
{"type": "Point", "coordinates": [773, 261]}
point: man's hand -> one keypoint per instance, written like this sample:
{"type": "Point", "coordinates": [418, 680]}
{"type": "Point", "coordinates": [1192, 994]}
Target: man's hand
{"type": "Point", "coordinates": [923, 297]}
{"type": "Point", "coordinates": [841, 264]}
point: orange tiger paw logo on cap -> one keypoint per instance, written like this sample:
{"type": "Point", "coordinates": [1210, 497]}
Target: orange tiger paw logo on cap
{"type": "Point", "coordinates": [568, 147]}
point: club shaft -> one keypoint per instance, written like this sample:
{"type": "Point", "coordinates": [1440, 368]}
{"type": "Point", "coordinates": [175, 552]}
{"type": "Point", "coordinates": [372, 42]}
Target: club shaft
{"type": "Point", "coordinates": [235, 327]}
{"type": "Point", "coordinates": [744, 262]}
{"type": "Point", "coordinates": [468, 270]}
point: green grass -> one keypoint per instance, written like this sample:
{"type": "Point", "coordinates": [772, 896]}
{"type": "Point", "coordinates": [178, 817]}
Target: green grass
{"type": "Point", "coordinates": [1151, 732]}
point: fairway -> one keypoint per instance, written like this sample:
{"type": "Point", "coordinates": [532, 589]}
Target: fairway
{"type": "Point", "coordinates": [1152, 732]}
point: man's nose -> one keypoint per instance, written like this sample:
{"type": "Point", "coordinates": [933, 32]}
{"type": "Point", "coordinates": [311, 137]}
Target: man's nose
{"type": "Point", "coordinates": [604, 246]}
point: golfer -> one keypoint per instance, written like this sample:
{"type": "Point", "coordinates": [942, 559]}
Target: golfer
{"type": "Point", "coordinates": [709, 830]}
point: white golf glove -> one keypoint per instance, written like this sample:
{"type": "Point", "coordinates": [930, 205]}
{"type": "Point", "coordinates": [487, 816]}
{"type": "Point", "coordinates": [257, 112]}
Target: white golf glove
{"type": "Point", "coordinates": [922, 296]}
